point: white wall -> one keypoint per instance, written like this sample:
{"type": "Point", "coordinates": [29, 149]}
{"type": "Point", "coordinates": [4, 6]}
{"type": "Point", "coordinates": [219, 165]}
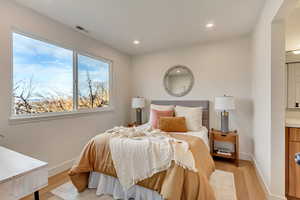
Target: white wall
{"type": "Point", "coordinates": [278, 108]}
{"type": "Point", "coordinates": [268, 94]}
{"type": "Point", "coordinates": [261, 91]}
{"type": "Point", "coordinates": [60, 140]}
{"type": "Point", "coordinates": [219, 68]}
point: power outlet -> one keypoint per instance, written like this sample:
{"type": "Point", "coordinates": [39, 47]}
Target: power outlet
{"type": "Point", "coordinates": [2, 133]}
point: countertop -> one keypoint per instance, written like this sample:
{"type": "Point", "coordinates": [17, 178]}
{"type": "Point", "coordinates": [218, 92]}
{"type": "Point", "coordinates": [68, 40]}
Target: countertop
{"type": "Point", "coordinates": [14, 164]}
{"type": "Point", "coordinates": [292, 122]}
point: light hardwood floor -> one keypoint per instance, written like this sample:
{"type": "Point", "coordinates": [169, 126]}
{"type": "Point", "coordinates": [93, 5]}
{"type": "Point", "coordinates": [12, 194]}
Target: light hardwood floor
{"type": "Point", "coordinates": [246, 181]}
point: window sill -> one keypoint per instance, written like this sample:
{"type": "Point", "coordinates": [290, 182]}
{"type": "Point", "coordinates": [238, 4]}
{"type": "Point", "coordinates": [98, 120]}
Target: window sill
{"type": "Point", "coordinates": [56, 116]}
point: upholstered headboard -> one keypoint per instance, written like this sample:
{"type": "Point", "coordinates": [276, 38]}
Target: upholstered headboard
{"type": "Point", "coordinates": [194, 103]}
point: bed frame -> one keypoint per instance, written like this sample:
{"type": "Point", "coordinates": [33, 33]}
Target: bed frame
{"type": "Point", "coordinates": [201, 103]}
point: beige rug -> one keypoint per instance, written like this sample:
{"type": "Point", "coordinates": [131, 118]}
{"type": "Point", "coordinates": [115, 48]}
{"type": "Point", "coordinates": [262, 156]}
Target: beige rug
{"type": "Point", "coordinates": [222, 182]}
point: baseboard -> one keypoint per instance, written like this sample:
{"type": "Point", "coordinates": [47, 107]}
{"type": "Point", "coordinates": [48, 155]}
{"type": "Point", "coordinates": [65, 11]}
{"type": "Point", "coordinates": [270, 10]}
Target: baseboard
{"type": "Point", "coordinates": [61, 167]}
{"type": "Point", "coordinates": [263, 183]}
{"type": "Point", "coordinates": [245, 156]}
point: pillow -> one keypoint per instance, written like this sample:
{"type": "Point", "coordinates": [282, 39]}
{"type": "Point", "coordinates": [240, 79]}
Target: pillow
{"type": "Point", "coordinates": [159, 108]}
{"type": "Point", "coordinates": [172, 124]}
{"type": "Point", "coordinates": [193, 116]}
{"type": "Point", "coordinates": [156, 114]}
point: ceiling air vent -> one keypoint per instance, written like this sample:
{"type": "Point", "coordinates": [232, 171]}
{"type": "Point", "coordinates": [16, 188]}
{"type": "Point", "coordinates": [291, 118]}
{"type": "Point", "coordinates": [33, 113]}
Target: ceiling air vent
{"type": "Point", "coordinates": [80, 28]}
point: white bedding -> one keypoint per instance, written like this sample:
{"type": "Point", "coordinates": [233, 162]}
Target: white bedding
{"type": "Point", "coordinates": [108, 185]}
{"type": "Point", "coordinates": [202, 133]}
{"type": "Point", "coordinates": [111, 186]}
{"type": "Point", "coordinates": [139, 153]}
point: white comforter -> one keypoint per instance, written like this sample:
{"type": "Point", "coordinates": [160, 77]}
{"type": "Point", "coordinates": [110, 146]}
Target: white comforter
{"type": "Point", "coordinates": [139, 153]}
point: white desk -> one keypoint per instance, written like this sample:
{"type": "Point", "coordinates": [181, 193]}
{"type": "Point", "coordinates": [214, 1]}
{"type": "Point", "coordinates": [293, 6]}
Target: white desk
{"type": "Point", "coordinates": [20, 175]}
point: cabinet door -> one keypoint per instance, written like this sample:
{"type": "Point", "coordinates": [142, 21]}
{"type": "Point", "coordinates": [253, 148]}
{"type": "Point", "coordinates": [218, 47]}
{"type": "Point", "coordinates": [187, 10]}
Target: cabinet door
{"type": "Point", "coordinates": [294, 170]}
{"type": "Point", "coordinates": [293, 84]}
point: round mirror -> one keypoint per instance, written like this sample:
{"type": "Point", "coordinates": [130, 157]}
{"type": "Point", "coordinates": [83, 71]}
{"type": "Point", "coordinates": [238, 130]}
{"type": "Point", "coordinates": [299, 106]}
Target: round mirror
{"type": "Point", "coordinates": [178, 81]}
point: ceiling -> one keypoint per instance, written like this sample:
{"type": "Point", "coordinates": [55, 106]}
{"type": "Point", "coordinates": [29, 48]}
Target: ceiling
{"type": "Point", "coordinates": [157, 24]}
{"type": "Point", "coordinates": [293, 30]}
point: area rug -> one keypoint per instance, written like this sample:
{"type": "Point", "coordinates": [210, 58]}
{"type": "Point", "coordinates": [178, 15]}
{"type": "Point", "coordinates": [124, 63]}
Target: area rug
{"type": "Point", "coordinates": [221, 181]}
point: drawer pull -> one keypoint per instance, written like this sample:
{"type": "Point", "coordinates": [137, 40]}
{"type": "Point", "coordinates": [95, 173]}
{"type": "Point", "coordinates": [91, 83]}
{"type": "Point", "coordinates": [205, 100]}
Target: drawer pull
{"type": "Point", "coordinates": [297, 158]}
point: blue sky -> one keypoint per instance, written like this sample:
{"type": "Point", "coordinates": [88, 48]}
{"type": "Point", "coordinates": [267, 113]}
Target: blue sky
{"type": "Point", "coordinates": [51, 68]}
{"type": "Point", "coordinates": [97, 70]}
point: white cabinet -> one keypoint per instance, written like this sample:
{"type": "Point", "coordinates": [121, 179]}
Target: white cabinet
{"type": "Point", "coordinates": [293, 81]}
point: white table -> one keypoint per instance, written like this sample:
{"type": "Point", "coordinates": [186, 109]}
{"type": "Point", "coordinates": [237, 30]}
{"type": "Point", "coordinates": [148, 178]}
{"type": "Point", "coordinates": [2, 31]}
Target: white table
{"type": "Point", "coordinates": [21, 175]}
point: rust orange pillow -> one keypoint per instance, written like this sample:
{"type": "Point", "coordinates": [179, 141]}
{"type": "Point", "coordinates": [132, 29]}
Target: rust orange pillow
{"type": "Point", "coordinates": [172, 124]}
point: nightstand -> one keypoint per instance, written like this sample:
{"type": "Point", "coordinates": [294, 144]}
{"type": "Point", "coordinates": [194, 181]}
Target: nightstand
{"type": "Point", "coordinates": [229, 140]}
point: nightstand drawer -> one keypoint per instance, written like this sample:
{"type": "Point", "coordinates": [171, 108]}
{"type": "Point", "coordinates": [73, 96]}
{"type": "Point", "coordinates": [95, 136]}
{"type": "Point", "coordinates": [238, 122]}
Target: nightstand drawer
{"type": "Point", "coordinates": [294, 135]}
{"type": "Point", "coordinates": [225, 137]}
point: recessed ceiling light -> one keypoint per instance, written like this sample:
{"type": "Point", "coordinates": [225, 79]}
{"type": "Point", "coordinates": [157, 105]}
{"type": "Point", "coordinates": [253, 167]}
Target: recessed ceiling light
{"type": "Point", "coordinates": [296, 52]}
{"type": "Point", "coordinates": [178, 71]}
{"type": "Point", "coordinates": [209, 25]}
{"type": "Point", "coordinates": [136, 42]}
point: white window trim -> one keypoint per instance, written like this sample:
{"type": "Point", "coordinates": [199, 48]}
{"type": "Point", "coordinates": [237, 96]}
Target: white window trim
{"type": "Point", "coordinates": [59, 115]}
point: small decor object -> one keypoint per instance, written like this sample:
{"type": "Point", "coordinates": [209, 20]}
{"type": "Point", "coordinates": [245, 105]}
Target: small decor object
{"type": "Point", "coordinates": [138, 103]}
{"type": "Point", "coordinates": [178, 81]}
{"type": "Point", "coordinates": [224, 145]}
{"type": "Point", "coordinates": [224, 104]}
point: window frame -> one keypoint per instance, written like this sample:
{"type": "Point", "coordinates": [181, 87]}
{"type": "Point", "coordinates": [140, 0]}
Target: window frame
{"type": "Point", "coordinates": [57, 115]}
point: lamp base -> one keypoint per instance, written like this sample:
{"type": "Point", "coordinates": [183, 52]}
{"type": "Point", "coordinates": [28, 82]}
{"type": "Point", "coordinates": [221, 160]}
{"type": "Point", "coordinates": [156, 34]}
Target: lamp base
{"type": "Point", "coordinates": [139, 116]}
{"type": "Point", "coordinates": [224, 121]}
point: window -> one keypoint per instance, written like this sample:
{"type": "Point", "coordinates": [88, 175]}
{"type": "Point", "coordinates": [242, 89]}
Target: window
{"type": "Point", "coordinates": [45, 79]}
{"type": "Point", "coordinates": [93, 82]}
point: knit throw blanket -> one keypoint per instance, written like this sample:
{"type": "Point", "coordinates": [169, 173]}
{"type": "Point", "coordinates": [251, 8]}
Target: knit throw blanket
{"type": "Point", "coordinates": [139, 153]}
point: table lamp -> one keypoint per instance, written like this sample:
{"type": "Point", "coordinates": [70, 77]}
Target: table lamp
{"type": "Point", "coordinates": [138, 103]}
{"type": "Point", "coordinates": [224, 104]}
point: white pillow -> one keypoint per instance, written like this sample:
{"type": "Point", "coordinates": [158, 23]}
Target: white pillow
{"type": "Point", "coordinates": [160, 108]}
{"type": "Point", "coordinates": [193, 116]}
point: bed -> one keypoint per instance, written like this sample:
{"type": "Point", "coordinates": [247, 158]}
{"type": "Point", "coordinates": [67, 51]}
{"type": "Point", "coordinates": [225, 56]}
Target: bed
{"type": "Point", "coordinates": [95, 168]}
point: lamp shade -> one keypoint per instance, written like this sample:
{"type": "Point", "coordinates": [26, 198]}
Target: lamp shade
{"type": "Point", "coordinates": [138, 102]}
{"type": "Point", "coordinates": [224, 103]}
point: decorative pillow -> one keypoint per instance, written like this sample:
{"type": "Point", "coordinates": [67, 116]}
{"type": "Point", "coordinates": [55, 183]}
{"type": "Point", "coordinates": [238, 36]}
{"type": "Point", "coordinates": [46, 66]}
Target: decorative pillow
{"type": "Point", "coordinates": [156, 114]}
{"type": "Point", "coordinates": [193, 116]}
{"type": "Point", "coordinates": [160, 108]}
{"type": "Point", "coordinates": [172, 124]}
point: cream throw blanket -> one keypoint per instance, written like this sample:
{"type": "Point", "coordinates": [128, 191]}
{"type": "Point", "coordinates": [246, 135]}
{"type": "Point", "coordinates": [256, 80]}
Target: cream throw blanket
{"type": "Point", "coordinates": [139, 153]}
